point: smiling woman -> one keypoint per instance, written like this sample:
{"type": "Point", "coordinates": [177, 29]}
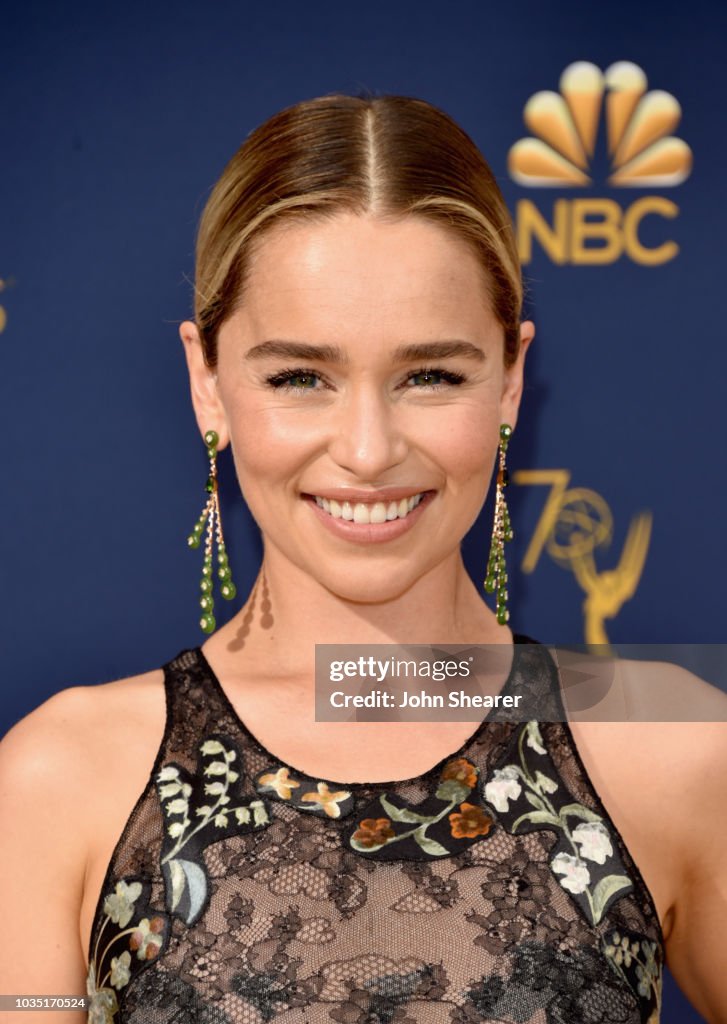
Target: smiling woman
{"type": "Point", "coordinates": [357, 341]}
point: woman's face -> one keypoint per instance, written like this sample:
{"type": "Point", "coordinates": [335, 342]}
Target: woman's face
{"type": "Point", "coordinates": [364, 366]}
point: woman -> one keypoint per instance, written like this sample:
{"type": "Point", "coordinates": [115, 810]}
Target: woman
{"type": "Point", "coordinates": [357, 341]}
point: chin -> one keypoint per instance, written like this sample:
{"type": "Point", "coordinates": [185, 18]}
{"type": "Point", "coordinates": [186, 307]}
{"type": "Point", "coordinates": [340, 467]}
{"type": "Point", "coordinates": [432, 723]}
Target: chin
{"type": "Point", "coordinates": [368, 587]}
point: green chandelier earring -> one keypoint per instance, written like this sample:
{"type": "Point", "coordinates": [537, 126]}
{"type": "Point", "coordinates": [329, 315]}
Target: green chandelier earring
{"type": "Point", "coordinates": [496, 579]}
{"type": "Point", "coordinates": [210, 513]}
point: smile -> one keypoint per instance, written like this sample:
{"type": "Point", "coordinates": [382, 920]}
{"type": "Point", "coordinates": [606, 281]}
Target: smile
{"type": "Point", "coordinates": [378, 512]}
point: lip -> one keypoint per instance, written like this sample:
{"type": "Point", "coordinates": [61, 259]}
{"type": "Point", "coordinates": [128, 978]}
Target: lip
{"type": "Point", "coordinates": [370, 533]}
{"type": "Point", "coordinates": [369, 497]}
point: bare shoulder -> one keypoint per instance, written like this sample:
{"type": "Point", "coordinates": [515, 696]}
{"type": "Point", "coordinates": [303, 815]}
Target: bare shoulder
{"type": "Point", "coordinates": [62, 757]}
{"type": "Point", "coordinates": [660, 768]}
{"type": "Point", "coordinates": [678, 745]}
{"type": "Point", "coordinates": [58, 766]}
{"type": "Point", "coordinates": [663, 727]}
{"type": "Point", "coordinates": [69, 729]}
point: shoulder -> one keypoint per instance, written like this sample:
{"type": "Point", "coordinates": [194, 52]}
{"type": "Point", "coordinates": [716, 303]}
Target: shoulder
{"type": "Point", "coordinates": [54, 755]}
{"type": "Point", "coordinates": [663, 727]}
{"type": "Point", "coordinates": [656, 749]}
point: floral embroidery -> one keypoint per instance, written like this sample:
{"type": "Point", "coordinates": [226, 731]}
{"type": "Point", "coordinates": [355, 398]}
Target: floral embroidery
{"type": "Point", "coordinates": [435, 828]}
{"type": "Point", "coordinates": [280, 782]}
{"type": "Point", "coordinates": [528, 794]}
{"type": "Point", "coordinates": [637, 961]}
{"type": "Point", "coordinates": [146, 938]}
{"type": "Point", "coordinates": [305, 793]}
{"type": "Point", "coordinates": [198, 821]}
{"type": "Point", "coordinates": [374, 832]}
{"type": "Point", "coordinates": [470, 822]}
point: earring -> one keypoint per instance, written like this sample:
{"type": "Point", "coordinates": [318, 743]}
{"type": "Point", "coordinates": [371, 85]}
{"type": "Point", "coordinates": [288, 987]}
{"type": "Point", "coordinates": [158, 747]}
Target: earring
{"type": "Point", "coordinates": [212, 509]}
{"type": "Point", "coordinates": [496, 579]}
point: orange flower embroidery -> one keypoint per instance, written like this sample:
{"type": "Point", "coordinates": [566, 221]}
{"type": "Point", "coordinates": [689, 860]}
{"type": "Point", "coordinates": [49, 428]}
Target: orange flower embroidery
{"type": "Point", "coordinates": [373, 832]}
{"type": "Point", "coordinates": [461, 770]}
{"type": "Point", "coordinates": [471, 822]}
{"type": "Point", "coordinates": [326, 799]}
{"type": "Point", "coordinates": [280, 782]}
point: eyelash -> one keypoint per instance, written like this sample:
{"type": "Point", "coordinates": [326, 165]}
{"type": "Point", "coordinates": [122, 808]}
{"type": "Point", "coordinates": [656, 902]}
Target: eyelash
{"type": "Point", "coordinates": [281, 381]}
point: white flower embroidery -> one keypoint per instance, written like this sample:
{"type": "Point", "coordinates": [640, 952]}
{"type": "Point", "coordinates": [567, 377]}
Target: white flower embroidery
{"type": "Point", "coordinates": [120, 905]}
{"type": "Point", "coordinates": [594, 841]}
{"type": "Point", "coordinates": [576, 877]}
{"type": "Point", "coordinates": [534, 740]}
{"type": "Point", "coordinates": [546, 785]}
{"type": "Point", "coordinates": [103, 1003]}
{"type": "Point", "coordinates": [120, 973]}
{"type": "Point", "coordinates": [503, 787]}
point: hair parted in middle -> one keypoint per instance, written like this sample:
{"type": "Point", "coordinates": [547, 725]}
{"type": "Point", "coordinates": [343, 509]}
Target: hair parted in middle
{"type": "Point", "coordinates": [384, 156]}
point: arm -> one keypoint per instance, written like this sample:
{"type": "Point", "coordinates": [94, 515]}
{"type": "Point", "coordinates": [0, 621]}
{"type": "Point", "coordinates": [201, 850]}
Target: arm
{"type": "Point", "coordinates": [698, 939]}
{"type": "Point", "coordinates": [43, 848]}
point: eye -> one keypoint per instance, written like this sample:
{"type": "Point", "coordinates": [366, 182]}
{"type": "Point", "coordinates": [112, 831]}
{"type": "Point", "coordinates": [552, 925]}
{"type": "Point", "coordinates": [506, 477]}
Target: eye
{"type": "Point", "coordinates": [432, 377]}
{"type": "Point", "coordinates": [294, 380]}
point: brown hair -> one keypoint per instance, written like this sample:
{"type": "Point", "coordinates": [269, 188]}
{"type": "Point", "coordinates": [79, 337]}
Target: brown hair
{"type": "Point", "coordinates": [386, 156]}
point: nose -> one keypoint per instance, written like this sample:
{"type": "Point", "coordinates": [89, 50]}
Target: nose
{"type": "Point", "coordinates": [366, 436]}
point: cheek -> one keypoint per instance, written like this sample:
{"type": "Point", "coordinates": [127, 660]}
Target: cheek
{"type": "Point", "coordinates": [464, 442]}
{"type": "Point", "coordinates": [270, 444]}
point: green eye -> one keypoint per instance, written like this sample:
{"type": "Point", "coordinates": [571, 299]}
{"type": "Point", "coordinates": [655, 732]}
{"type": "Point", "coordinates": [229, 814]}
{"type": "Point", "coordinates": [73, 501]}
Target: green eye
{"type": "Point", "coordinates": [432, 378]}
{"type": "Point", "coordinates": [296, 380]}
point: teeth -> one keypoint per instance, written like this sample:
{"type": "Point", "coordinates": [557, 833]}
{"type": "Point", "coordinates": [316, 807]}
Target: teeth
{"type": "Point", "coordinates": [379, 512]}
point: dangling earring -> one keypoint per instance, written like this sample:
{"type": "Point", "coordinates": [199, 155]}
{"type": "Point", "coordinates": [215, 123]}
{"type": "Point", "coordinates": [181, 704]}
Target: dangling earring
{"type": "Point", "coordinates": [496, 579]}
{"type": "Point", "coordinates": [212, 509]}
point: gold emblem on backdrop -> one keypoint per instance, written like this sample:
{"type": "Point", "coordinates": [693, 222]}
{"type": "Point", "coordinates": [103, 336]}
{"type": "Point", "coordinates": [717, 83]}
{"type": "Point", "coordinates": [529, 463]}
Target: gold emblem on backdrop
{"type": "Point", "coordinates": [3, 314]}
{"type": "Point", "coordinates": [642, 153]}
{"type": "Point", "coordinates": [638, 123]}
{"type": "Point", "coordinates": [574, 522]}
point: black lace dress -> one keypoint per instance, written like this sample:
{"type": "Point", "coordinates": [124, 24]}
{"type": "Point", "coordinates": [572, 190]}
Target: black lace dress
{"type": "Point", "coordinates": [494, 887]}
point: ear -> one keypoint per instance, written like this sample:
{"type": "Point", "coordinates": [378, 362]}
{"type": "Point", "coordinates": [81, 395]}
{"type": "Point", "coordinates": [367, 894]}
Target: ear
{"type": "Point", "coordinates": [208, 407]}
{"type": "Point", "coordinates": [512, 385]}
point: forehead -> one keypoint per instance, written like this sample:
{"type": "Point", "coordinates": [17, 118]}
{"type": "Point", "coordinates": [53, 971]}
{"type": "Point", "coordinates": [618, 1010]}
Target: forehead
{"type": "Point", "coordinates": [356, 277]}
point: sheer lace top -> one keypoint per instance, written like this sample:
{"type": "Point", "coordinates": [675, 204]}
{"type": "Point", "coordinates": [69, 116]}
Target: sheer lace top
{"type": "Point", "coordinates": [494, 887]}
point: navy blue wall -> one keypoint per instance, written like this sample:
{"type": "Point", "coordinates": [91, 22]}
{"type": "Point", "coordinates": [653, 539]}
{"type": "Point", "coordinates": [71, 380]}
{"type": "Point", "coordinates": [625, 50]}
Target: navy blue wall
{"type": "Point", "coordinates": [116, 122]}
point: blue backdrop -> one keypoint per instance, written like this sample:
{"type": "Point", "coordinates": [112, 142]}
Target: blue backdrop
{"type": "Point", "coordinates": [117, 120]}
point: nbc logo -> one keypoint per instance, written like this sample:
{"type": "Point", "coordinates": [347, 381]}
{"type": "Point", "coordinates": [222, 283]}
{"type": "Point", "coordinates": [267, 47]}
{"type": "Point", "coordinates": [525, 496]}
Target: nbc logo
{"type": "Point", "coordinates": [560, 154]}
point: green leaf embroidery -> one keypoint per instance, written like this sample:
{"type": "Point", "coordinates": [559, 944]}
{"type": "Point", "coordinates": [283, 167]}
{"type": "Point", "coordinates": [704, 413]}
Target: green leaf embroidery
{"type": "Point", "coordinates": [579, 811]}
{"type": "Point", "coordinates": [534, 800]}
{"type": "Point", "coordinates": [430, 846]}
{"type": "Point", "coordinates": [603, 891]}
{"type": "Point", "coordinates": [402, 813]}
{"type": "Point", "coordinates": [537, 818]}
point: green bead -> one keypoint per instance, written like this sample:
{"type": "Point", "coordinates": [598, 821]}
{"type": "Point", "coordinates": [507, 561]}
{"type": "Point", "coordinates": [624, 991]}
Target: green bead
{"type": "Point", "coordinates": [505, 432]}
{"type": "Point", "coordinates": [502, 615]}
{"type": "Point", "coordinates": [501, 596]}
{"type": "Point", "coordinates": [222, 558]}
{"type": "Point", "coordinates": [193, 541]}
{"type": "Point", "coordinates": [508, 534]}
{"type": "Point", "coordinates": [207, 622]}
{"type": "Point", "coordinates": [206, 585]}
{"type": "Point", "coordinates": [206, 603]}
{"type": "Point", "coordinates": [224, 572]}
{"type": "Point", "coordinates": [211, 438]}
{"type": "Point", "coordinates": [206, 569]}
{"type": "Point", "coordinates": [210, 485]}
{"type": "Point", "coordinates": [228, 590]}
{"type": "Point", "coordinates": [490, 584]}
{"type": "Point", "coordinates": [198, 528]}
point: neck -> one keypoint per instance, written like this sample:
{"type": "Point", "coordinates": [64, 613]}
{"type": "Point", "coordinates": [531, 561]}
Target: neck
{"type": "Point", "coordinates": [288, 612]}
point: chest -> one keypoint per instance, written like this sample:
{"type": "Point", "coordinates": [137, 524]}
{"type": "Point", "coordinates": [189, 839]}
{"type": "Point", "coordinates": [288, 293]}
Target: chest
{"type": "Point", "coordinates": [633, 809]}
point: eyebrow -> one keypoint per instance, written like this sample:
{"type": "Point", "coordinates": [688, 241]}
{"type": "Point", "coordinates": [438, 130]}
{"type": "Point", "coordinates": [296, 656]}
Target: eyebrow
{"type": "Point", "coordinates": [277, 347]}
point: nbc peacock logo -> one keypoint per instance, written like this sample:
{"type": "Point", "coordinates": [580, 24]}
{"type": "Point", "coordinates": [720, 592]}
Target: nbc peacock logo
{"type": "Point", "coordinates": [564, 150]}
